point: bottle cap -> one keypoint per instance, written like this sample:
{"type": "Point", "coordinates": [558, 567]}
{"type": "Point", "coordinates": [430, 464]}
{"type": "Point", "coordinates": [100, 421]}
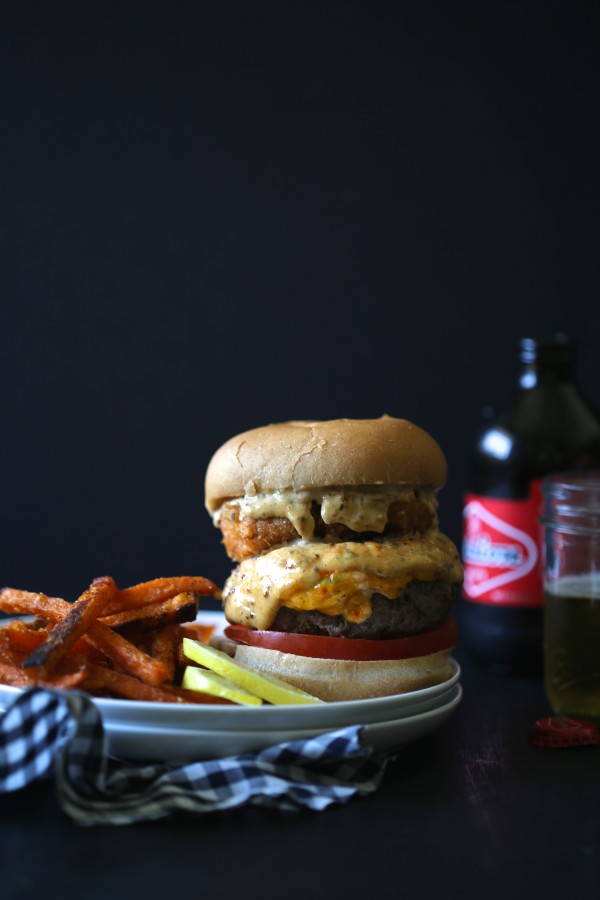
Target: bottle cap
{"type": "Point", "coordinates": [557, 731]}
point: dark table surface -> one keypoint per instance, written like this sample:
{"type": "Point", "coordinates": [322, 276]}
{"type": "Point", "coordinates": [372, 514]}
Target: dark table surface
{"type": "Point", "coordinates": [472, 810]}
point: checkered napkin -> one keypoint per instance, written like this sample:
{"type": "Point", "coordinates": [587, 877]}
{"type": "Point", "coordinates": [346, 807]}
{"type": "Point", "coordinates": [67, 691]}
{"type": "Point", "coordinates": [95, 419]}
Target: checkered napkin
{"type": "Point", "coordinates": [47, 730]}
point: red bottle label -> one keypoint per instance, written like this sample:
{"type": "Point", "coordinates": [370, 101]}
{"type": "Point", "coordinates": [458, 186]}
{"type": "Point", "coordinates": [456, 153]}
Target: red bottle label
{"type": "Point", "coordinates": [501, 550]}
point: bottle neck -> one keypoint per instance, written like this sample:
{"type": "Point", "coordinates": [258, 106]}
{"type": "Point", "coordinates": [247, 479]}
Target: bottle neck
{"type": "Point", "coordinates": [541, 372]}
{"type": "Point", "coordinates": [545, 361]}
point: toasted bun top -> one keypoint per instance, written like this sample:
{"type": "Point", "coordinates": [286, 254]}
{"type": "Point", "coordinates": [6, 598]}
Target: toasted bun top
{"type": "Point", "coordinates": [300, 455]}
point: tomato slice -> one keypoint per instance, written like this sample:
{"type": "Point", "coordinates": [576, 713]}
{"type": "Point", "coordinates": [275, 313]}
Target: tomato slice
{"type": "Point", "coordinates": [319, 647]}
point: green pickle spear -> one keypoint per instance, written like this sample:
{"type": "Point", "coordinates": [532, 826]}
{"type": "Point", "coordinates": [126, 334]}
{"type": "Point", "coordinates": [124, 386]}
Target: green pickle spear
{"type": "Point", "coordinates": [267, 687]}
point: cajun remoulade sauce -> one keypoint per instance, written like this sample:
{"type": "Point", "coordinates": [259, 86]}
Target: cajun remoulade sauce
{"type": "Point", "coordinates": [361, 510]}
{"type": "Point", "coordinates": [336, 578]}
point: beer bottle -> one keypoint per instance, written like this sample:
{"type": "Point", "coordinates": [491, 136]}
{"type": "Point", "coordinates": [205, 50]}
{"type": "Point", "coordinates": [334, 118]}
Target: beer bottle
{"type": "Point", "coordinates": [550, 427]}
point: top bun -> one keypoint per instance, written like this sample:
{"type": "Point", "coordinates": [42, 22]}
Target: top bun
{"type": "Point", "coordinates": [300, 455]}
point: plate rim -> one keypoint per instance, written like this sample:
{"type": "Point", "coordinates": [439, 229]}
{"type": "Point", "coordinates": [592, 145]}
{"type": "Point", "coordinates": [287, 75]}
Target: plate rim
{"type": "Point", "coordinates": [457, 692]}
{"type": "Point", "coordinates": [387, 736]}
{"type": "Point", "coordinates": [115, 709]}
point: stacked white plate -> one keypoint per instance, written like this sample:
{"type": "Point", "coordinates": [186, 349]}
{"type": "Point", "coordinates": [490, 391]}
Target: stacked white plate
{"type": "Point", "coordinates": [169, 732]}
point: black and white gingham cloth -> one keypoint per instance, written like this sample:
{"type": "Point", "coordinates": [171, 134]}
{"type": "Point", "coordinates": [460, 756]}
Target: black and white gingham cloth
{"type": "Point", "coordinates": [48, 732]}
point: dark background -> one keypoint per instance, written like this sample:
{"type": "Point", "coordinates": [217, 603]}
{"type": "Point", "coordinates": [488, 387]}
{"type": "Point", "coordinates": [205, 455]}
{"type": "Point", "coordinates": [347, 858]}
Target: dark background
{"type": "Point", "coordinates": [216, 214]}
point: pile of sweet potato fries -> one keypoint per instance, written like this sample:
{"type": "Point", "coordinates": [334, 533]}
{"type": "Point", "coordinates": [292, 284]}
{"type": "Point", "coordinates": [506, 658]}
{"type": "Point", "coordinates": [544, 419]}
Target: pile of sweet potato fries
{"type": "Point", "coordinates": [109, 643]}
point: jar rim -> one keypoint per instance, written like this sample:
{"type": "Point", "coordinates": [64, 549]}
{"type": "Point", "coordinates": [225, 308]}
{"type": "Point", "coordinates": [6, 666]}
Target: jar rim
{"type": "Point", "coordinates": [577, 480]}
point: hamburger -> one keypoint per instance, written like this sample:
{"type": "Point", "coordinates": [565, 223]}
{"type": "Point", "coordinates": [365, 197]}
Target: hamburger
{"type": "Point", "coordinates": [344, 585]}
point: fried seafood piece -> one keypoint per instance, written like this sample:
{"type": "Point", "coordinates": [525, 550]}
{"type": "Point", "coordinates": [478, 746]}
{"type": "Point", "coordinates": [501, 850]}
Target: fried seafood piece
{"type": "Point", "coordinates": [244, 537]}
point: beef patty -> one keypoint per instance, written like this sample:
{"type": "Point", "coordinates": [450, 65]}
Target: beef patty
{"type": "Point", "coordinates": [422, 606]}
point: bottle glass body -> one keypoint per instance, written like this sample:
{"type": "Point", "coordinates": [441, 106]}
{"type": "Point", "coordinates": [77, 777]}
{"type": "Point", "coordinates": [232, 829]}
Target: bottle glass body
{"type": "Point", "coordinates": [550, 427]}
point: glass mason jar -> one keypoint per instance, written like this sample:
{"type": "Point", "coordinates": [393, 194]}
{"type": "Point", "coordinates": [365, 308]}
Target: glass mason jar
{"type": "Point", "coordinates": [571, 551]}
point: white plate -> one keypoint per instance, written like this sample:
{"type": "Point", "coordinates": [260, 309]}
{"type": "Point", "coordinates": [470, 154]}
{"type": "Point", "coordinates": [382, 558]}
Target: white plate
{"type": "Point", "coordinates": [173, 746]}
{"type": "Point", "coordinates": [164, 719]}
{"type": "Point", "coordinates": [216, 717]}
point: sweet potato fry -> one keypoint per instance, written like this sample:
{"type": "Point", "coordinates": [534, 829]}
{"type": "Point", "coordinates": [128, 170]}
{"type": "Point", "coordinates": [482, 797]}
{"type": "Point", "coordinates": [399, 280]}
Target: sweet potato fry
{"type": "Point", "coordinates": [23, 640]}
{"type": "Point", "coordinates": [108, 681]}
{"type": "Point", "coordinates": [112, 645]}
{"type": "Point", "coordinates": [126, 655]}
{"type": "Point", "coordinates": [18, 677]}
{"type": "Point", "coordinates": [78, 620]}
{"type": "Point", "coordinates": [181, 608]}
{"type": "Point", "coordinates": [163, 646]}
{"type": "Point", "coordinates": [7, 653]}
{"type": "Point", "coordinates": [68, 681]}
{"type": "Point", "coordinates": [198, 631]}
{"type": "Point", "coordinates": [122, 644]}
{"type": "Point", "coordinates": [186, 696]}
{"type": "Point", "coordinates": [161, 589]}
{"type": "Point", "coordinates": [27, 603]}
{"type": "Point", "coordinates": [14, 675]}
{"type": "Point", "coordinates": [102, 679]}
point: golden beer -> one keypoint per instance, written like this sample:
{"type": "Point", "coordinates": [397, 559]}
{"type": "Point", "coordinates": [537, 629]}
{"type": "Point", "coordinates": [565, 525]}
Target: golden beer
{"type": "Point", "coordinates": [572, 645]}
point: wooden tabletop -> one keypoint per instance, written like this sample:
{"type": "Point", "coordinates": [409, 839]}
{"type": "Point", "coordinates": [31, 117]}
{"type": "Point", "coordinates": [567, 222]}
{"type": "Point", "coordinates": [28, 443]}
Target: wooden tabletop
{"type": "Point", "coordinates": [471, 810]}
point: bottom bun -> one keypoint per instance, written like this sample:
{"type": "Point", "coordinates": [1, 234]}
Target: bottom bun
{"type": "Point", "coordinates": [347, 679]}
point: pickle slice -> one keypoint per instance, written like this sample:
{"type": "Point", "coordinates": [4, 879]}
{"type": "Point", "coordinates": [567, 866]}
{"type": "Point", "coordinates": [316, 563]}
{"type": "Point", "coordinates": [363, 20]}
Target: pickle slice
{"type": "Point", "coordinates": [195, 679]}
{"type": "Point", "coordinates": [267, 687]}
